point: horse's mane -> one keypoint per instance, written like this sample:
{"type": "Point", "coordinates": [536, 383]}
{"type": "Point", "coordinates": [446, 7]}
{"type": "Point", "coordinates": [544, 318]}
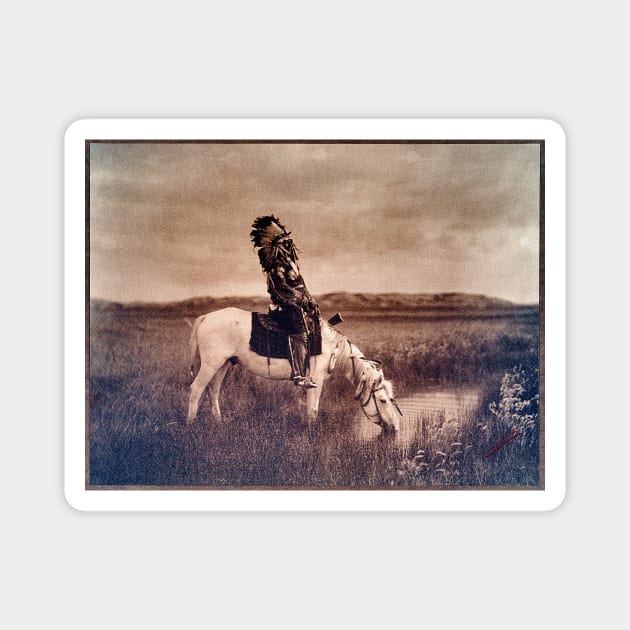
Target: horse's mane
{"type": "Point", "coordinates": [366, 372]}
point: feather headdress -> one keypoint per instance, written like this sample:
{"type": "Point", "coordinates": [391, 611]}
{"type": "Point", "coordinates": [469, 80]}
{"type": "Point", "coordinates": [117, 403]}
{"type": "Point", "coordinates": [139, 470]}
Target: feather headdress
{"type": "Point", "coordinates": [272, 240]}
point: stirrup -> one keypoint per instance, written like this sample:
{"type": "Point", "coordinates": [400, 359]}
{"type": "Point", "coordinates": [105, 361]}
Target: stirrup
{"type": "Point", "coordinates": [305, 382]}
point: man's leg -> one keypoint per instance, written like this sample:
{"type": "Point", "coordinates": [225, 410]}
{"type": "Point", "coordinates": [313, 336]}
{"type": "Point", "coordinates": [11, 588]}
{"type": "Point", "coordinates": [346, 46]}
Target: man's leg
{"type": "Point", "coordinates": [299, 356]}
{"type": "Point", "coordinates": [294, 359]}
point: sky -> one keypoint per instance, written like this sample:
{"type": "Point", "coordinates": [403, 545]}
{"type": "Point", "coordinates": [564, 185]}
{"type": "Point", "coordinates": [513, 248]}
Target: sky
{"type": "Point", "coordinates": [171, 221]}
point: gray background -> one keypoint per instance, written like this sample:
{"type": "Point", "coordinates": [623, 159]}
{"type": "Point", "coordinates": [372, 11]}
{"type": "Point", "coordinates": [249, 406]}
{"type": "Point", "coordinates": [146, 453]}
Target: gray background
{"type": "Point", "coordinates": [63, 61]}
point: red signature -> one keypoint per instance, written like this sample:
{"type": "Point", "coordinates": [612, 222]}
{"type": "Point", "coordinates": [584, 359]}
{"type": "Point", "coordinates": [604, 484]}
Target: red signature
{"type": "Point", "coordinates": [506, 438]}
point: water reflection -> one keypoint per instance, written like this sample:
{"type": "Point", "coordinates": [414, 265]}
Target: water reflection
{"type": "Point", "coordinates": [428, 405]}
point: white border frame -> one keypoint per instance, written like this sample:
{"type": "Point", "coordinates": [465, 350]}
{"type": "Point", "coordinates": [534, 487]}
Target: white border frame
{"type": "Point", "coordinates": [317, 500]}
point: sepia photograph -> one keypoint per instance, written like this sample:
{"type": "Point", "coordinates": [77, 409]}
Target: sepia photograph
{"type": "Point", "coordinates": [314, 314]}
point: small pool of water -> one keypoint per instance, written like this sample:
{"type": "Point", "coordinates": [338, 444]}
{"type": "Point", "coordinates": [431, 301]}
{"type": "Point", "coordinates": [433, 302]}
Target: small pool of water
{"type": "Point", "coordinates": [429, 404]}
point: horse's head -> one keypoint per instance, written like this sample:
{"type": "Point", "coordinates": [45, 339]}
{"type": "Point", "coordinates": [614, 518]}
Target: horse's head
{"type": "Point", "coordinates": [392, 409]}
{"type": "Point", "coordinates": [389, 413]}
{"type": "Point", "coordinates": [376, 396]}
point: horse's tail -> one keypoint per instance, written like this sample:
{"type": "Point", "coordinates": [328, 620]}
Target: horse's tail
{"type": "Point", "coordinates": [193, 344]}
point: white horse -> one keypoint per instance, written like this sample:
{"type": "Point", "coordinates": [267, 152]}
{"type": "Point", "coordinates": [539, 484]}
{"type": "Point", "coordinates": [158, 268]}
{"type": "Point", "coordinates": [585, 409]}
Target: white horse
{"type": "Point", "coordinates": [222, 337]}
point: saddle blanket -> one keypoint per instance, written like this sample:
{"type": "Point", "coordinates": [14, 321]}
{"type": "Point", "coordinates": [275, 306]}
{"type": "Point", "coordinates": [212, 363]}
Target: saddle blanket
{"type": "Point", "coordinates": [270, 340]}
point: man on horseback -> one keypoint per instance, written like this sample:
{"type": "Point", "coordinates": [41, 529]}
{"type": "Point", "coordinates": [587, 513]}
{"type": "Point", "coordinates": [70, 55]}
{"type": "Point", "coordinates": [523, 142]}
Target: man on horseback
{"type": "Point", "coordinates": [292, 306]}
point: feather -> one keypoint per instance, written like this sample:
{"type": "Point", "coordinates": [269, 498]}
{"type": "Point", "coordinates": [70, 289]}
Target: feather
{"type": "Point", "coordinates": [272, 240]}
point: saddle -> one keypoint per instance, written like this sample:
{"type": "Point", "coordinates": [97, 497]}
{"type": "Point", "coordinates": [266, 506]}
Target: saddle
{"type": "Point", "coordinates": [271, 340]}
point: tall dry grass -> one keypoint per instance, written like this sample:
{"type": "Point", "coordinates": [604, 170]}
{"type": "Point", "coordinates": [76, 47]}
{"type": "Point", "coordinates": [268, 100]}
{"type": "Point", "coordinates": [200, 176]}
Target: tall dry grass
{"type": "Point", "coordinates": [138, 396]}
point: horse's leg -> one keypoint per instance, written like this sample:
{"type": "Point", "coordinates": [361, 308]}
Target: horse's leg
{"type": "Point", "coordinates": [197, 388]}
{"type": "Point", "coordinates": [318, 369]}
{"type": "Point", "coordinates": [312, 403]}
{"type": "Point", "coordinates": [317, 372]}
{"type": "Point", "coordinates": [215, 389]}
{"type": "Point", "coordinates": [206, 372]}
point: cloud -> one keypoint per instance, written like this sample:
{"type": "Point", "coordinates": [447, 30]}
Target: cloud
{"type": "Point", "coordinates": [357, 211]}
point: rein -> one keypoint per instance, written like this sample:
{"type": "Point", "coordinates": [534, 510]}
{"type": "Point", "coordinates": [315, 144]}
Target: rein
{"type": "Point", "coordinates": [372, 391]}
{"type": "Point", "coordinates": [360, 379]}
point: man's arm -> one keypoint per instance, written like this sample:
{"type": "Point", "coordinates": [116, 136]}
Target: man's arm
{"type": "Point", "coordinates": [283, 292]}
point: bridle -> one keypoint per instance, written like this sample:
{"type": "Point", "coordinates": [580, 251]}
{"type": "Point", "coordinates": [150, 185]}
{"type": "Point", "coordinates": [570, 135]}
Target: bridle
{"type": "Point", "coordinates": [373, 390]}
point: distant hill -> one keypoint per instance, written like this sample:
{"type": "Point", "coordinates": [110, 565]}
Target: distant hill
{"type": "Point", "coordinates": [429, 305]}
{"type": "Point", "coordinates": [413, 301]}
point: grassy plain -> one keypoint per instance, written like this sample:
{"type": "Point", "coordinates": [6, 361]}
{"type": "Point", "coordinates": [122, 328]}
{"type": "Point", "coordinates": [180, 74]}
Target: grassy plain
{"type": "Point", "coordinates": [138, 386]}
